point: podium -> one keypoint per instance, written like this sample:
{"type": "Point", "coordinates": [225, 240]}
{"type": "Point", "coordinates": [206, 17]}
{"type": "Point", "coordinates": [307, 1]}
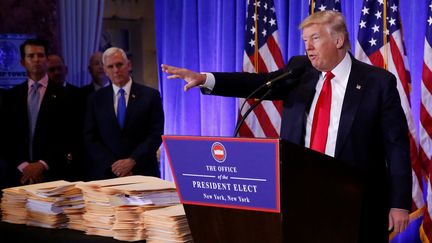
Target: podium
{"type": "Point", "coordinates": [287, 193]}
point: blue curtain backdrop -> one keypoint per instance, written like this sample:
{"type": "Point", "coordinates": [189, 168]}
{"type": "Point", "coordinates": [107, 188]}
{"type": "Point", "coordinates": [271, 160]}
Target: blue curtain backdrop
{"type": "Point", "coordinates": [81, 24]}
{"type": "Point", "coordinates": [209, 36]}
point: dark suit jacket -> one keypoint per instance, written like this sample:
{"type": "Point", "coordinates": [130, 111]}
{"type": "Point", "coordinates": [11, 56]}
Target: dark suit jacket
{"type": "Point", "coordinates": [140, 138]}
{"type": "Point", "coordinates": [53, 131]}
{"type": "Point", "coordinates": [372, 135]}
{"type": "Point", "coordinates": [87, 89]}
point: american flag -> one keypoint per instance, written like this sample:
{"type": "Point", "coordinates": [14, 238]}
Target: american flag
{"type": "Point", "coordinates": [425, 150]}
{"type": "Point", "coordinates": [322, 5]}
{"type": "Point", "coordinates": [380, 43]}
{"type": "Point", "coordinates": [262, 54]}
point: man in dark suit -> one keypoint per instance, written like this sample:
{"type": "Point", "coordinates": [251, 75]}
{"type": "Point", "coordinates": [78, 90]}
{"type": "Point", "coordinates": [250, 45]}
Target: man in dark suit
{"type": "Point", "coordinates": [97, 73]}
{"type": "Point", "coordinates": [98, 81]}
{"type": "Point", "coordinates": [36, 129]}
{"type": "Point", "coordinates": [341, 107]}
{"type": "Point", "coordinates": [124, 123]}
{"type": "Point", "coordinates": [57, 72]}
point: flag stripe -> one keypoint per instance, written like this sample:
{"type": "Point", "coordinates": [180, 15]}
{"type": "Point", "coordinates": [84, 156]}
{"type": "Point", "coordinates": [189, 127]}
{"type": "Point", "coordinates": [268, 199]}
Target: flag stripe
{"type": "Point", "coordinates": [262, 67]}
{"type": "Point", "coordinates": [273, 111]}
{"type": "Point", "coordinates": [264, 120]}
{"type": "Point", "coordinates": [399, 65]}
{"type": "Point", "coordinates": [275, 51]}
{"type": "Point", "coordinates": [425, 116]}
{"type": "Point", "coordinates": [427, 75]}
{"type": "Point", "coordinates": [376, 59]}
{"type": "Point", "coordinates": [269, 62]}
{"type": "Point", "coordinates": [426, 146]}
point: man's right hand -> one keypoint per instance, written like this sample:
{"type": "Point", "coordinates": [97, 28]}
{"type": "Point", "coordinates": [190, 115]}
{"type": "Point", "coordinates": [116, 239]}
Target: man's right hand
{"type": "Point", "coordinates": [193, 79]}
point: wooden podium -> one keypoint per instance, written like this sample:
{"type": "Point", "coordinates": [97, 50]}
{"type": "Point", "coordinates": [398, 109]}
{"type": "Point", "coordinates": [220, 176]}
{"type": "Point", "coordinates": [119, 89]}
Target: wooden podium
{"type": "Point", "coordinates": [320, 201]}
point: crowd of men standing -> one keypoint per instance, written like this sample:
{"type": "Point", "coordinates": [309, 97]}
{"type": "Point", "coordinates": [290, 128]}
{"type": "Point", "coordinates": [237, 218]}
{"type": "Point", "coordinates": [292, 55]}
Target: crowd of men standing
{"type": "Point", "coordinates": [51, 130]}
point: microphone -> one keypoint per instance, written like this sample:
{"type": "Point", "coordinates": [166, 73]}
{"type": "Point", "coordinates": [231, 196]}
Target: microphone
{"type": "Point", "coordinates": [292, 73]}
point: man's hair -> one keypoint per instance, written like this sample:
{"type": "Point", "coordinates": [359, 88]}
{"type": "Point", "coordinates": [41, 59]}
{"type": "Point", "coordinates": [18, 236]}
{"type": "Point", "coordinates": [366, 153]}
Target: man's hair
{"type": "Point", "coordinates": [110, 51]}
{"type": "Point", "coordinates": [333, 19]}
{"type": "Point", "coordinates": [93, 56]}
{"type": "Point", "coordinates": [57, 55]}
{"type": "Point", "coordinates": [33, 42]}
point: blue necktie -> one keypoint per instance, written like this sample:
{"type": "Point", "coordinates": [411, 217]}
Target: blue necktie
{"type": "Point", "coordinates": [33, 110]}
{"type": "Point", "coordinates": [121, 107]}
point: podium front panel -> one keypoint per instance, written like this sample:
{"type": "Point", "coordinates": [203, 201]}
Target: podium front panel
{"type": "Point", "coordinates": [238, 173]}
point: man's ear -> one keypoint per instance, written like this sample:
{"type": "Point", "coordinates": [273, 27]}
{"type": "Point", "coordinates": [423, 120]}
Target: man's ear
{"type": "Point", "coordinates": [340, 40]}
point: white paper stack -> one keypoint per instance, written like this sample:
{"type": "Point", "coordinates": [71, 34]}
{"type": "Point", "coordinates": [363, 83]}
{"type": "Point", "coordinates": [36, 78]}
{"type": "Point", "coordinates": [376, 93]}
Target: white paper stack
{"type": "Point", "coordinates": [167, 224]}
{"type": "Point", "coordinates": [69, 200]}
{"type": "Point", "coordinates": [46, 203]}
{"type": "Point", "coordinates": [154, 191]}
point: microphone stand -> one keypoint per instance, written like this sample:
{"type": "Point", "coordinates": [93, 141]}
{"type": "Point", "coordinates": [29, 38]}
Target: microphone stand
{"type": "Point", "coordinates": [251, 108]}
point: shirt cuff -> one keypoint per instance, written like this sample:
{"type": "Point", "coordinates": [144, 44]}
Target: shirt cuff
{"type": "Point", "coordinates": [22, 166]}
{"type": "Point", "coordinates": [209, 82]}
{"type": "Point", "coordinates": [44, 164]}
{"type": "Point", "coordinates": [400, 209]}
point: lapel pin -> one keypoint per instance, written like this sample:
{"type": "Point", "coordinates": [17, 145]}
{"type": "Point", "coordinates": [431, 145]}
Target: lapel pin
{"type": "Point", "coordinates": [133, 96]}
{"type": "Point", "coordinates": [358, 87]}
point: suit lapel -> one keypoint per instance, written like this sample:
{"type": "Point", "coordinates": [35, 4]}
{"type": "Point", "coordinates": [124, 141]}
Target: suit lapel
{"type": "Point", "coordinates": [106, 105]}
{"type": "Point", "coordinates": [49, 97]}
{"type": "Point", "coordinates": [22, 104]}
{"type": "Point", "coordinates": [296, 117]}
{"type": "Point", "coordinates": [310, 89]}
{"type": "Point", "coordinates": [352, 99]}
{"type": "Point", "coordinates": [133, 97]}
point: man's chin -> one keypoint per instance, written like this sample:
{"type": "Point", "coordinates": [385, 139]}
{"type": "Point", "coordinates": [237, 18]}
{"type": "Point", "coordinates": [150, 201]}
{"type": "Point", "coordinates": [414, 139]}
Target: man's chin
{"type": "Point", "coordinates": [39, 72]}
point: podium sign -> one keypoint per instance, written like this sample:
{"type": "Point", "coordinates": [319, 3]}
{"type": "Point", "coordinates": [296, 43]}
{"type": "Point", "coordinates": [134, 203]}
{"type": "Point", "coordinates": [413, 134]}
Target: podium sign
{"type": "Point", "coordinates": [238, 173]}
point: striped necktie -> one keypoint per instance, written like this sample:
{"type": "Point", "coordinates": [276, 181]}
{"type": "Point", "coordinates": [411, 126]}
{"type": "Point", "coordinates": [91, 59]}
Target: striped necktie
{"type": "Point", "coordinates": [33, 110]}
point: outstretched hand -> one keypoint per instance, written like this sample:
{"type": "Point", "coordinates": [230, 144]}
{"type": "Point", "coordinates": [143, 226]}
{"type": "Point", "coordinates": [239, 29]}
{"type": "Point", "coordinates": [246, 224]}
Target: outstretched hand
{"type": "Point", "coordinates": [192, 78]}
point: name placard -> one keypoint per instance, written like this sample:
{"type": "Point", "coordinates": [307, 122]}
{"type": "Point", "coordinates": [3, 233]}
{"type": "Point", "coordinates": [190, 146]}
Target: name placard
{"type": "Point", "coordinates": [237, 173]}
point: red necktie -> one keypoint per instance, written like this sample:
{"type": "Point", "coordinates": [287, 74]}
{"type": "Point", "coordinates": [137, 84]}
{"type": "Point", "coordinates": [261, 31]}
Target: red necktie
{"type": "Point", "coordinates": [321, 117]}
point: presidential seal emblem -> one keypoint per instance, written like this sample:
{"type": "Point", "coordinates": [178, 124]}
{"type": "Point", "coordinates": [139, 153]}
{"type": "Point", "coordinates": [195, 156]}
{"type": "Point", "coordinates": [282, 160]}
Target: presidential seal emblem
{"type": "Point", "coordinates": [218, 152]}
{"type": "Point", "coordinates": [9, 56]}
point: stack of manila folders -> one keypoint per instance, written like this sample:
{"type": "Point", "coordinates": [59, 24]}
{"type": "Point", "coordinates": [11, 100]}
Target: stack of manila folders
{"type": "Point", "coordinates": [129, 208]}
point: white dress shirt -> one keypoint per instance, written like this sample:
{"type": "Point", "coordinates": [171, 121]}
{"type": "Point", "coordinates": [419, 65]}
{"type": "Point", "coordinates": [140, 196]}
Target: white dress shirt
{"type": "Point", "coordinates": [338, 83]}
{"type": "Point", "coordinates": [126, 88]}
